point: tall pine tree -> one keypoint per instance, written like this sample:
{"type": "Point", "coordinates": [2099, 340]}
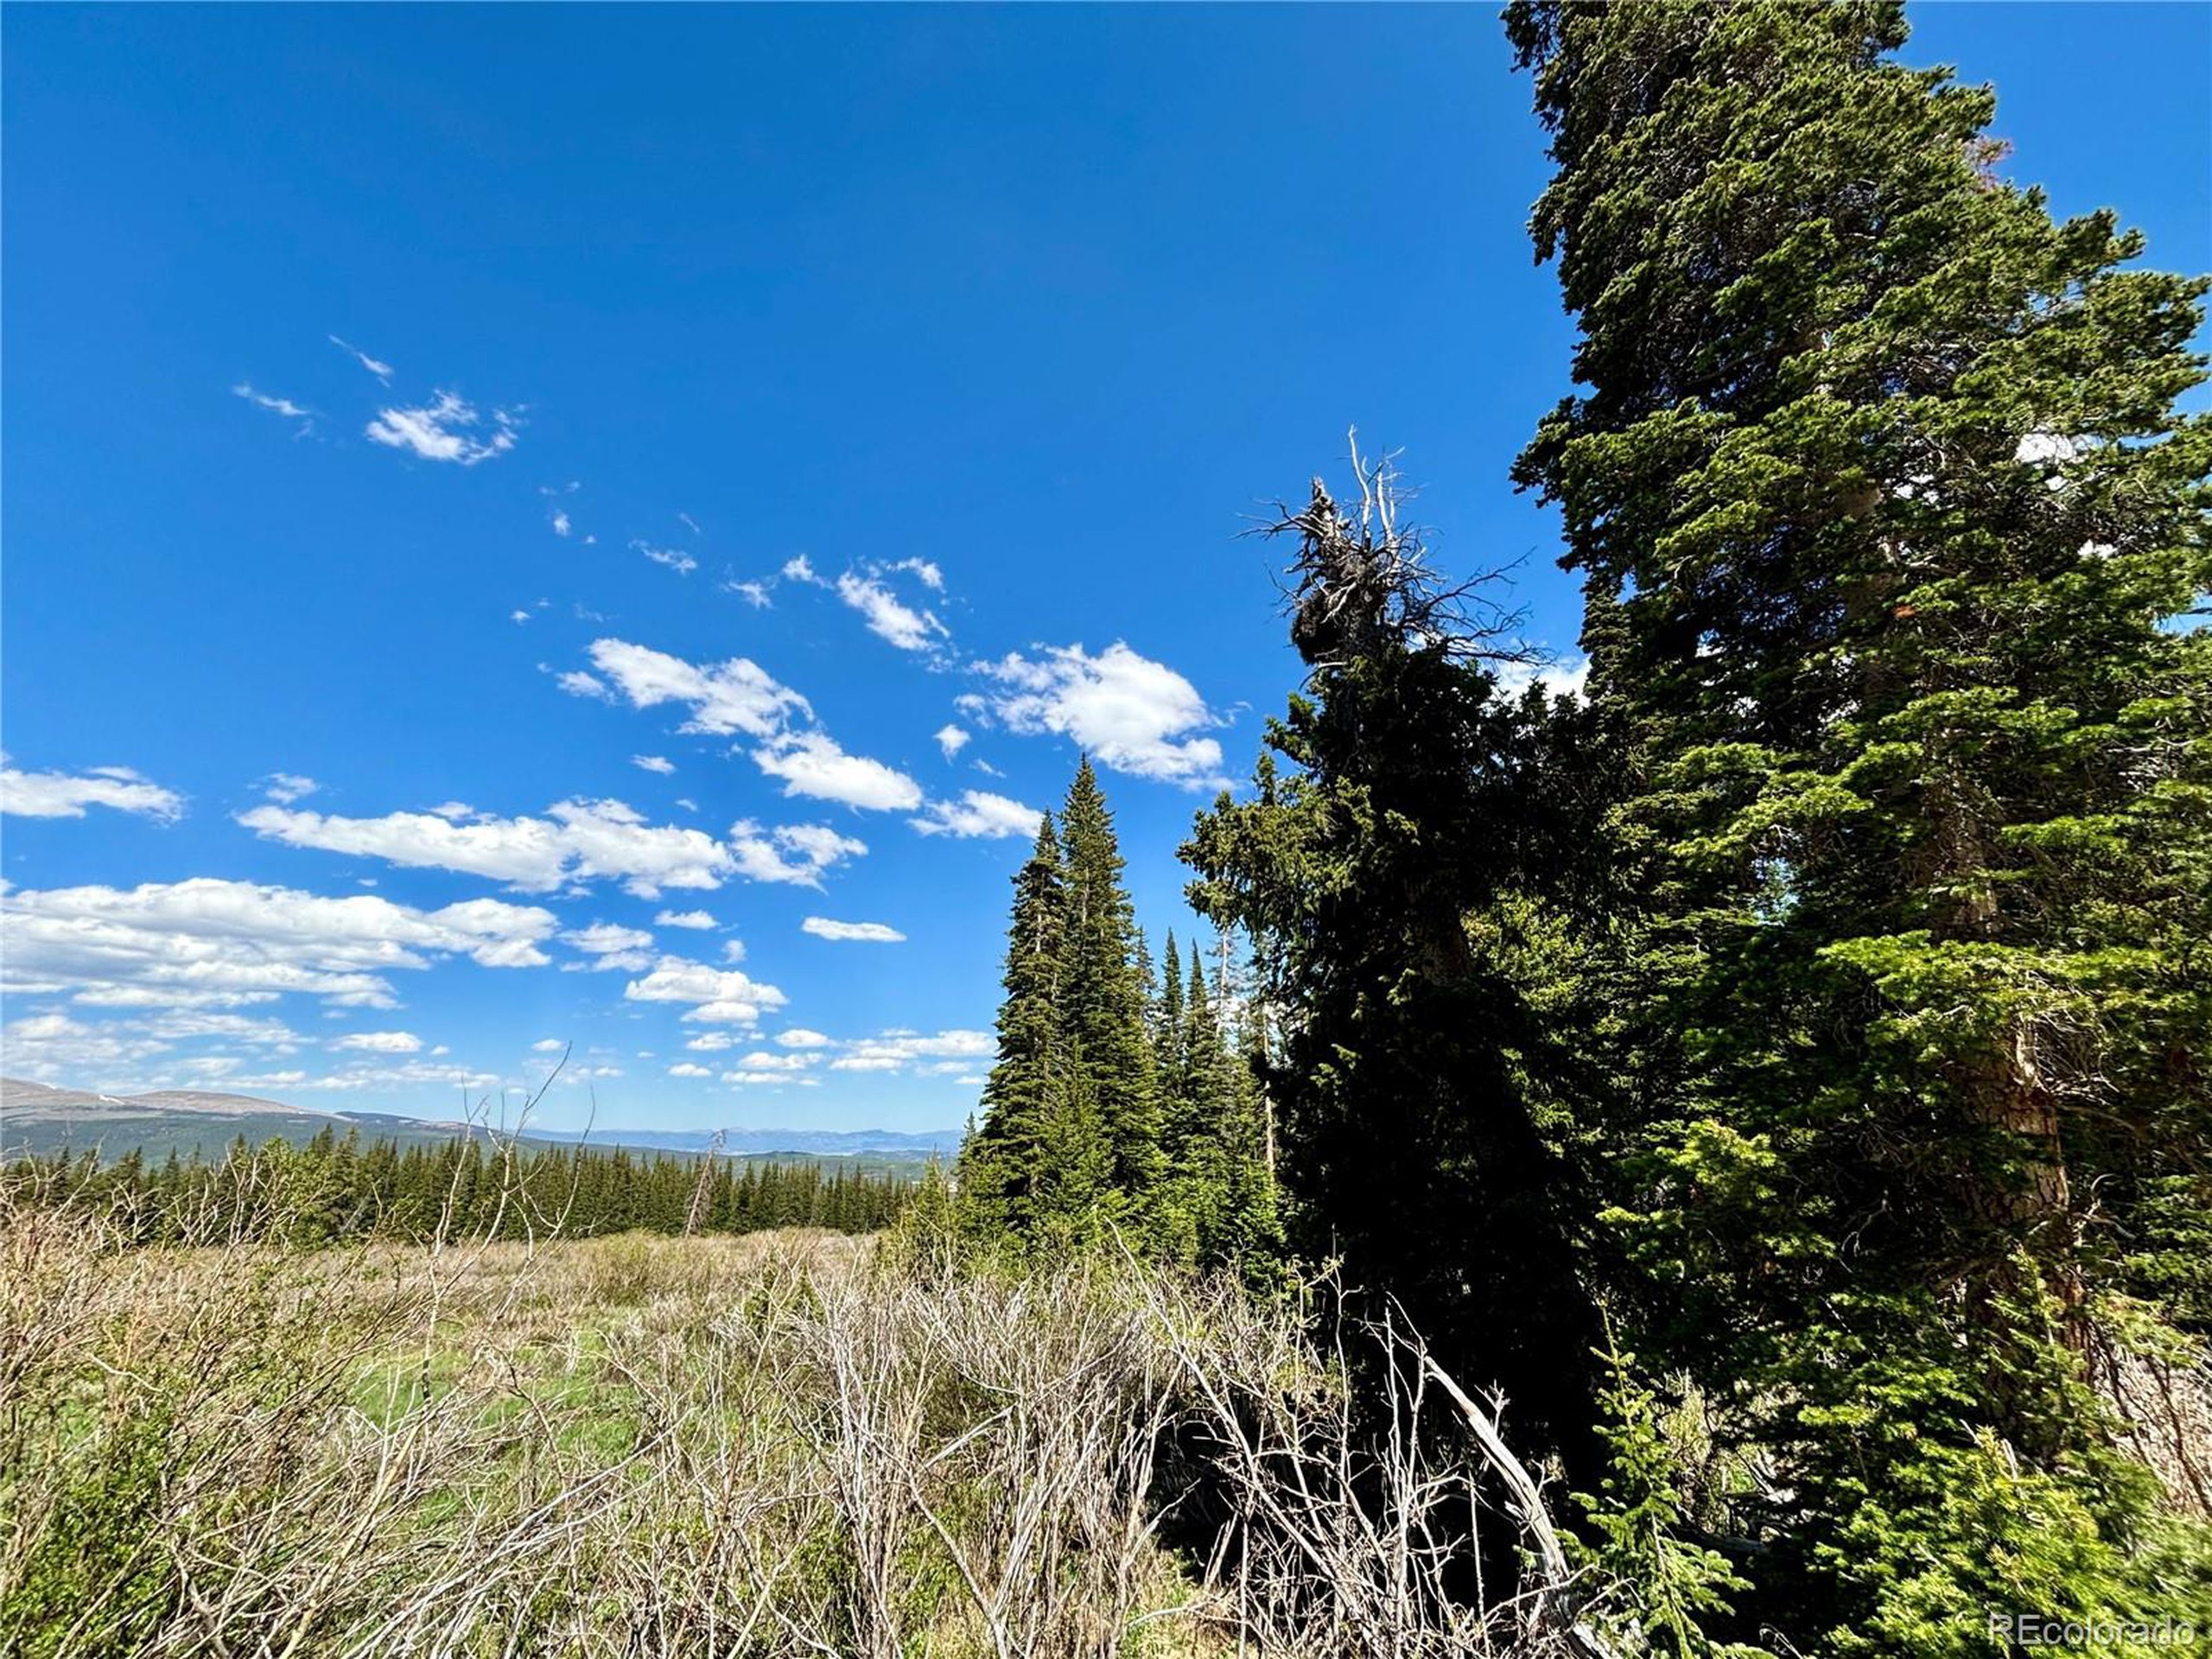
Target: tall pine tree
{"type": "Point", "coordinates": [996, 1172]}
{"type": "Point", "coordinates": [1102, 993]}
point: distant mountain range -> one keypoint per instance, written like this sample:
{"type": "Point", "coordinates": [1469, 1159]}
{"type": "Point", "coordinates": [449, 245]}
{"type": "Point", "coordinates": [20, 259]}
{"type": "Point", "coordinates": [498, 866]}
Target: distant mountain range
{"type": "Point", "coordinates": [37, 1119]}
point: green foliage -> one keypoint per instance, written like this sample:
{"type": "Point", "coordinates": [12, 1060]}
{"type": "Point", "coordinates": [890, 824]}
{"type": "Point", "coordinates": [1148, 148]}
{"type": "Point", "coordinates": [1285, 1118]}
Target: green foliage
{"type": "Point", "coordinates": [1666, 1585]}
{"type": "Point", "coordinates": [1116, 1105]}
{"type": "Point", "coordinates": [1886, 516]}
{"type": "Point", "coordinates": [1397, 866]}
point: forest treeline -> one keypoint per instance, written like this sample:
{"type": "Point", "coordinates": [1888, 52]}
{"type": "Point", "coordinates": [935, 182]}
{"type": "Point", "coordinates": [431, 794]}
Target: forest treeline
{"type": "Point", "coordinates": [1780, 1068]}
{"type": "Point", "coordinates": [335, 1188]}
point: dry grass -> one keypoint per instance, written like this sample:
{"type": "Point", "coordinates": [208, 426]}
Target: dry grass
{"type": "Point", "coordinates": [784, 1444]}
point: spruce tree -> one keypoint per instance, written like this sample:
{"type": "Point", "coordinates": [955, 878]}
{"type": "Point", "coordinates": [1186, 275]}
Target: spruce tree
{"type": "Point", "coordinates": [1884, 515]}
{"type": "Point", "coordinates": [1375, 871]}
{"type": "Point", "coordinates": [1166, 1023]}
{"type": "Point", "coordinates": [998, 1165]}
{"type": "Point", "coordinates": [1100, 995]}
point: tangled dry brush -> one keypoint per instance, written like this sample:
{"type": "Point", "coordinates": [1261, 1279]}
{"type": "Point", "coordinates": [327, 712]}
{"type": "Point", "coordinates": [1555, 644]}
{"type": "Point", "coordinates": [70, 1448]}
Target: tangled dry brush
{"type": "Point", "coordinates": [783, 1445]}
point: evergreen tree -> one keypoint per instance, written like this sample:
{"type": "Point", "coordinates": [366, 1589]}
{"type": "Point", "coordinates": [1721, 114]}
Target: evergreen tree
{"type": "Point", "coordinates": [1883, 512]}
{"type": "Point", "coordinates": [999, 1163]}
{"type": "Point", "coordinates": [1167, 1019]}
{"type": "Point", "coordinates": [1100, 995]}
{"type": "Point", "coordinates": [1380, 876]}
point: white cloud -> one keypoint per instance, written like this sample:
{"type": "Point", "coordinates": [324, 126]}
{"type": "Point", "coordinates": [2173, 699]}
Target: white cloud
{"type": "Point", "coordinates": [692, 919]}
{"type": "Point", "coordinates": [978, 812]}
{"type": "Point", "coordinates": [796, 568]}
{"type": "Point", "coordinates": [951, 739]}
{"type": "Point", "coordinates": [206, 942]}
{"type": "Point", "coordinates": [614, 947]}
{"type": "Point", "coordinates": [382, 371]}
{"type": "Point", "coordinates": [444, 429]}
{"type": "Point", "coordinates": [53, 1044]}
{"type": "Point", "coordinates": [737, 695]}
{"type": "Point", "coordinates": [888, 617]}
{"type": "Point", "coordinates": [576, 681]}
{"type": "Point", "coordinates": [65, 795]}
{"type": "Point", "coordinates": [813, 763]}
{"type": "Point", "coordinates": [519, 617]}
{"type": "Point", "coordinates": [381, 1042]}
{"type": "Point", "coordinates": [718, 995]}
{"type": "Point", "coordinates": [559, 522]}
{"type": "Point", "coordinates": [754, 593]}
{"type": "Point", "coordinates": [712, 1042]}
{"type": "Point", "coordinates": [931, 575]}
{"type": "Point", "coordinates": [547, 1045]}
{"type": "Point", "coordinates": [1128, 711]}
{"type": "Point", "coordinates": [1562, 679]}
{"type": "Point", "coordinates": [284, 406]}
{"type": "Point", "coordinates": [686, 1069]}
{"type": "Point", "coordinates": [674, 557]}
{"type": "Point", "coordinates": [800, 1037]}
{"type": "Point", "coordinates": [288, 786]}
{"type": "Point", "coordinates": [761, 1060]}
{"type": "Point", "coordinates": [413, 1075]}
{"type": "Point", "coordinates": [872, 932]}
{"type": "Point", "coordinates": [798, 854]}
{"type": "Point", "coordinates": [577, 841]}
{"type": "Point", "coordinates": [660, 764]}
{"type": "Point", "coordinates": [894, 1050]}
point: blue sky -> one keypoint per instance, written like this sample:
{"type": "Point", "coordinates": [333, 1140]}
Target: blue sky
{"type": "Point", "coordinates": [382, 711]}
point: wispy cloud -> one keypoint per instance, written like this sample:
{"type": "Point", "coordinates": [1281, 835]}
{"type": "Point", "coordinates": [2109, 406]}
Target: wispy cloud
{"type": "Point", "coordinates": [65, 795]}
{"type": "Point", "coordinates": [888, 616]}
{"type": "Point", "coordinates": [446, 429]}
{"type": "Point", "coordinates": [284, 406]}
{"type": "Point", "coordinates": [286, 787]}
{"type": "Point", "coordinates": [655, 763]}
{"type": "Point", "coordinates": [951, 739]}
{"type": "Point", "coordinates": [674, 557]}
{"type": "Point", "coordinates": [380, 1042]}
{"type": "Point", "coordinates": [755, 594]}
{"type": "Point", "coordinates": [862, 933]}
{"type": "Point", "coordinates": [382, 371]}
